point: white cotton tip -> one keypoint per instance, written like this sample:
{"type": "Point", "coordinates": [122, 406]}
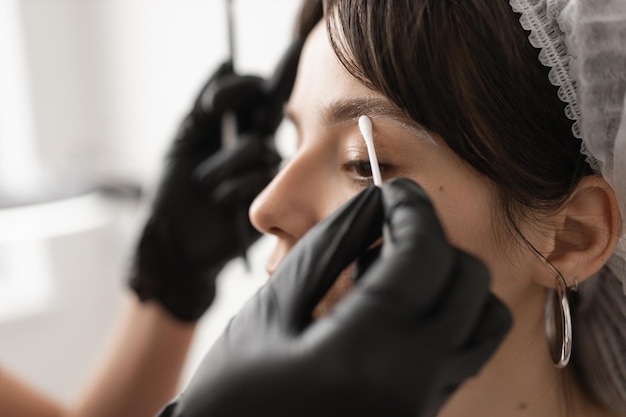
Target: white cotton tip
{"type": "Point", "coordinates": [365, 125]}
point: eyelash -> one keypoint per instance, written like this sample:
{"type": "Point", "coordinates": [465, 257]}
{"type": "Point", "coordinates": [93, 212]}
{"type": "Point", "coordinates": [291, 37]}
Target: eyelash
{"type": "Point", "coordinates": [362, 172]}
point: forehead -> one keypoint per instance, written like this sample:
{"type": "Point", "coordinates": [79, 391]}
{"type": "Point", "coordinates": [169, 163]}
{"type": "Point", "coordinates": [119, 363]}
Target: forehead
{"type": "Point", "coordinates": [325, 93]}
{"type": "Point", "coordinates": [321, 78]}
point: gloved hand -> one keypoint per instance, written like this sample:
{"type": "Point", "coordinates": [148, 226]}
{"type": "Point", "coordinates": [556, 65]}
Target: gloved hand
{"type": "Point", "coordinates": [419, 322]}
{"type": "Point", "coordinates": [199, 219]}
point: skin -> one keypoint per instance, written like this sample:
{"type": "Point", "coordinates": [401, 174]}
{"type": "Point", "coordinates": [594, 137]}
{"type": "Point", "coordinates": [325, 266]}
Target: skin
{"type": "Point", "coordinates": [140, 374]}
{"type": "Point", "coordinates": [327, 169]}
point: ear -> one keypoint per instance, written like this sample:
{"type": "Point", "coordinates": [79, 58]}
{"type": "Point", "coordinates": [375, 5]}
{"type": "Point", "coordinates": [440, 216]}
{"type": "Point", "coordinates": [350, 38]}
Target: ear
{"type": "Point", "coordinates": [589, 229]}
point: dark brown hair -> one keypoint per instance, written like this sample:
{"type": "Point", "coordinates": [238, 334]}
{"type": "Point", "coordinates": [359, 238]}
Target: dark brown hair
{"type": "Point", "coordinates": [466, 71]}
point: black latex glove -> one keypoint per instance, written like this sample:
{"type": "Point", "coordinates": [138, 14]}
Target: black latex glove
{"type": "Point", "coordinates": [199, 219]}
{"type": "Point", "coordinates": [419, 322]}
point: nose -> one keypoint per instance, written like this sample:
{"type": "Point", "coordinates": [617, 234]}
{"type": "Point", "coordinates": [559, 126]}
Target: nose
{"type": "Point", "coordinates": [293, 201]}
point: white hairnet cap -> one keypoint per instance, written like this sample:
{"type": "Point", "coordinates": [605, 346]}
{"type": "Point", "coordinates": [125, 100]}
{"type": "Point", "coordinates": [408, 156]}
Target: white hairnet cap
{"type": "Point", "coordinates": [596, 39]}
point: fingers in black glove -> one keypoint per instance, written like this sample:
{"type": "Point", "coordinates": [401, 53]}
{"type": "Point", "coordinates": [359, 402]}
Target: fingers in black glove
{"type": "Point", "coordinates": [234, 93]}
{"type": "Point", "coordinates": [247, 156]}
{"type": "Point", "coordinates": [306, 276]}
{"type": "Point", "coordinates": [199, 220]}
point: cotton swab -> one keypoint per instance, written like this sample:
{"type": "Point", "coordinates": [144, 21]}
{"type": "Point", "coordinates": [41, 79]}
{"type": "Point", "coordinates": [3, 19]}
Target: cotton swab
{"type": "Point", "coordinates": [365, 125]}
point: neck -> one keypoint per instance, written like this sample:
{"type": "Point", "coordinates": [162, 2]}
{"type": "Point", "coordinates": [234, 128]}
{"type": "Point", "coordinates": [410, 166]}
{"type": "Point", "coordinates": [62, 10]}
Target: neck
{"type": "Point", "coordinates": [520, 379]}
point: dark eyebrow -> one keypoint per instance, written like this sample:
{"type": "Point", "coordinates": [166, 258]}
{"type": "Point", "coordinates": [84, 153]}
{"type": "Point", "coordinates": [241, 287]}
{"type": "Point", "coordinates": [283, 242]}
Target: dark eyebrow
{"type": "Point", "coordinates": [349, 110]}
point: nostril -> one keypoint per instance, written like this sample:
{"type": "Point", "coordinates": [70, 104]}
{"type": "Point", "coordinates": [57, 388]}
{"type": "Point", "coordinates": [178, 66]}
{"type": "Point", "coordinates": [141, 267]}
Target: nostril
{"type": "Point", "coordinates": [275, 231]}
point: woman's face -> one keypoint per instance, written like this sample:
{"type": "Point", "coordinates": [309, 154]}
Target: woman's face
{"type": "Point", "coordinates": [330, 165]}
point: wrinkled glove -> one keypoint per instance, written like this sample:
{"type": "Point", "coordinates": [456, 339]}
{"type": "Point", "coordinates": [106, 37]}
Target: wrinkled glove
{"type": "Point", "coordinates": [199, 219]}
{"type": "Point", "coordinates": [419, 322]}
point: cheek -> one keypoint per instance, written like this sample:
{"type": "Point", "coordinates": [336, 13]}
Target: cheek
{"type": "Point", "coordinates": [468, 222]}
{"type": "Point", "coordinates": [468, 217]}
{"type": "Point", "coordinates": [465, 208]}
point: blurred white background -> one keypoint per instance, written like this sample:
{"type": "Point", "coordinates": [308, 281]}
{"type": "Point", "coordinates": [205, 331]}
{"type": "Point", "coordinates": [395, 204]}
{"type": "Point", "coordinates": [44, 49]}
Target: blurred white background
{"type": "Point", "coordinates": [92, 91]}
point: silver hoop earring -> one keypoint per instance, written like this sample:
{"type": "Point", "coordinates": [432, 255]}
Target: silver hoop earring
{"type": "Point", "coordinates": [559, 326]}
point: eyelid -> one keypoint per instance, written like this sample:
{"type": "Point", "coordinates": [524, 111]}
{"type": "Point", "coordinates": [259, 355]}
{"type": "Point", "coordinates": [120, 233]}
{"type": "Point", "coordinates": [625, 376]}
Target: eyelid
{"type": "Point", "coordinates": [357, 155]}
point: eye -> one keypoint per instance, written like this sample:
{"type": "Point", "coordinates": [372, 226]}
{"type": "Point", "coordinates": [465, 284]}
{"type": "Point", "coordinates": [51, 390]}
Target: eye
{"type": "Point", "coordinates": [361, 171]}
{"type": "Point", "coordinates": [361, 168]}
